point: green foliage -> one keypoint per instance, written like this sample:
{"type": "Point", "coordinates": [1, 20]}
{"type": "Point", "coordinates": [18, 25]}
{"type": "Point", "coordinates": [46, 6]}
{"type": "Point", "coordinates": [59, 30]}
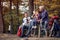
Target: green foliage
{"type": "Point", "coordinates": [53, 7]}
{"type": "Point", "coordinates": [7, 18]}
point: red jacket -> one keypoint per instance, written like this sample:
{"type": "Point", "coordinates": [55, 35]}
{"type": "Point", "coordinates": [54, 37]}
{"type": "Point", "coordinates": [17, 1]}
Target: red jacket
{"type": "Point", "coordinates": [52, 20]}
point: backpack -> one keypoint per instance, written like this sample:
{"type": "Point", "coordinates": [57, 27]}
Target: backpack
{"type": "Point", "coordinates": [19, 33]}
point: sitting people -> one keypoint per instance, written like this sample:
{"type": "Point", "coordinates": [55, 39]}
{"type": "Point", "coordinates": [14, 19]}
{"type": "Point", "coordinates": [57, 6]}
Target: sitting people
{"type": "Point", "coordinates": [42, 15]}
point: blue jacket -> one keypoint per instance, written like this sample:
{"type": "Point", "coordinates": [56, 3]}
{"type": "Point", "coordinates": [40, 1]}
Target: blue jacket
{"type": "Point", "coordinates": [44, 16]}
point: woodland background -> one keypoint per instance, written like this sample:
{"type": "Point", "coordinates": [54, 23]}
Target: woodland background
{"type": "Point", "coordinates": [52, 6]}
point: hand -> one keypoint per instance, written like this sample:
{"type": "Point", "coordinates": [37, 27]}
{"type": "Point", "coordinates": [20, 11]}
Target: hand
{"type": "Point", "coordinates": [38, 20]}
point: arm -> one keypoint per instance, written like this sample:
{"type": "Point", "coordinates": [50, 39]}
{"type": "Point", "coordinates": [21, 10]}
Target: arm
{"type": "Point", "coordinates": [45, 14]}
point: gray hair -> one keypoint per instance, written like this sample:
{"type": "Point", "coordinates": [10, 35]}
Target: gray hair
{"type": "Point", "coordinates": [41, 7]}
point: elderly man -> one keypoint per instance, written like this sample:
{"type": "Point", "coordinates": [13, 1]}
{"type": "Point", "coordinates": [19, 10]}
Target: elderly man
{"type": "Point", "coordinates": [43, 13]}
{"type": "Point", "coordinates": [43, 18]}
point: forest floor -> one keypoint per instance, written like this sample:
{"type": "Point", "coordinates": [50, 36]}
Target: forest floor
{"type": "Point", "coordinates": [15, 37]}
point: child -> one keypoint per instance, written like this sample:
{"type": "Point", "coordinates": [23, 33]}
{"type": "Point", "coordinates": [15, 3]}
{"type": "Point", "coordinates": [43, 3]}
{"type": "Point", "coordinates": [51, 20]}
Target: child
{"type": "Point", "coordinates": [35, 18]}
{"type": "Point", "coordinates": [26, 19]}
{"type": "Point", "coordinates": [26, 24]}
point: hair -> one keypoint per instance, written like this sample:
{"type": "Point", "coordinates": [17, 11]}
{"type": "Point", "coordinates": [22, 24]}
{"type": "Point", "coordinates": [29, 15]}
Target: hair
{"type": "Point", "coordinates": [34, 12]}
{"type": "Point", "coordinates": [25, 13]}
{"type": "Point", "coordinates": [42, 6]}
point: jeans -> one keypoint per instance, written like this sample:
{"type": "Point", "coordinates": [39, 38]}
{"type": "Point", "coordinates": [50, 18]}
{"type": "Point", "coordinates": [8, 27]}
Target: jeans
{"type": "Point", "coordinates": [35, 23]}
{"type": "Point", "coordinates": [28, 28]}
{"type": "Point", "coordinates": [43, 27]}
{"type": "Point", "coordinates": [56, 29]}
{"type": "Point", "coordinates": [44, 24]}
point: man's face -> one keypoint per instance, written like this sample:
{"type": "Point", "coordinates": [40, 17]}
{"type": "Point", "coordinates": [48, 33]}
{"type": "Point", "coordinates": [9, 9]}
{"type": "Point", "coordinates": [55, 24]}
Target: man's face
{"type": "Point", "coordinates": [41, 8]}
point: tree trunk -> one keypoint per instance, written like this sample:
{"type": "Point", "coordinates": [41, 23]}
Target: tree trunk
{"type": "Point", "coordinates": [17, 8]}
{"type": "Point", "coordinates": [11, 20]}
{"type": "Point", "coordinates": [31, 6]}
{"type": "Point", "coordinates": [1, 18]}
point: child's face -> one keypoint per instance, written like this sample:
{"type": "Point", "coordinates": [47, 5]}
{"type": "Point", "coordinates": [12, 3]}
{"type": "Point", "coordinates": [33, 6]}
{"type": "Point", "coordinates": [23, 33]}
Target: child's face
{"type": "Point", "coordinates": [26, 15]}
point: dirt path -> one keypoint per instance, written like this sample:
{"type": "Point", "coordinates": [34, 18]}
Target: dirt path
{"type": "Point", "coordinates": [15, 37]}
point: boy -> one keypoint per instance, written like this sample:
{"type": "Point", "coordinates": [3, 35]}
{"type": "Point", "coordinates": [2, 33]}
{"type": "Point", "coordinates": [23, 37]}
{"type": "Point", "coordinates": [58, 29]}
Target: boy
{"type": "Point", "coordinates": [26, 24]}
